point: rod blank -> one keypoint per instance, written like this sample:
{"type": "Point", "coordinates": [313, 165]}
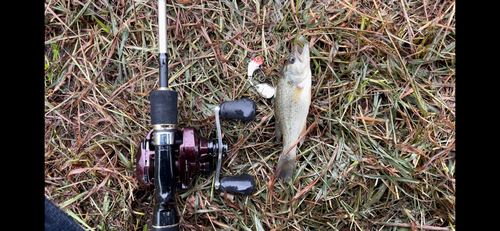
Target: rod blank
{"type": "Point", "coordinates": [162, 25]}
{"type": "Point", "coordinates": [162, 37]}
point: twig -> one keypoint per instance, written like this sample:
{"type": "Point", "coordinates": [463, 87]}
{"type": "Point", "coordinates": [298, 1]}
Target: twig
{"type": "Point", "coordinates": [238, 145]}
{"type": "Point", "coordinates": [410, 31]}
{"type": "Point", "coordinates": [302, 136]}
{"type": "Point", "coordinates": [409, 225]}
{"type": "Point", "coordinates": [203, 207]}
{"type": "Point", "coordinates": [308, 187]}
{"type": "Point", "coordinates": [220, 43]}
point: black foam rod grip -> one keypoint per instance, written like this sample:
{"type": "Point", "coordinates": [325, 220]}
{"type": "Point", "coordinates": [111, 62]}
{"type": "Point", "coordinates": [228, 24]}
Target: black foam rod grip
{"type": "Point", "coordinates": [242, 109]}
{"type": "Point", "coordinates": [241, 184]}
{"type": "Point", "coordinates": [163, 107]}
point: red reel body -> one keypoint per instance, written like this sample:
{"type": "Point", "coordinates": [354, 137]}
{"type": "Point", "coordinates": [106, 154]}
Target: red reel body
{"type": "Point", "coordinates": [193, 154]}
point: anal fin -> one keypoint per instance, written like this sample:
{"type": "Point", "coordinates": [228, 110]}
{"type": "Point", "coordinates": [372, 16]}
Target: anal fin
{"type": "Point", "coordinates": [301, 133]}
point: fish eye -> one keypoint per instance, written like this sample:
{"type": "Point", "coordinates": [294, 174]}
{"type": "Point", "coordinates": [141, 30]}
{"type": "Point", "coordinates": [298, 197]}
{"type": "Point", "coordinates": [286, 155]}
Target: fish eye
{"type": "Point", "coordinates": [292, 60]}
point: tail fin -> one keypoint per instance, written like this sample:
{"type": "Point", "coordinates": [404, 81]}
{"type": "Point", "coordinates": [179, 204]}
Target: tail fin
{"type": "Point", "coordinates": [286, 165]}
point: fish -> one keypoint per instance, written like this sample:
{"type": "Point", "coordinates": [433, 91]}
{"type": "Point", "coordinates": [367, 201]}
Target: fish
{"type": "Point", "coordinates": [291, 107]}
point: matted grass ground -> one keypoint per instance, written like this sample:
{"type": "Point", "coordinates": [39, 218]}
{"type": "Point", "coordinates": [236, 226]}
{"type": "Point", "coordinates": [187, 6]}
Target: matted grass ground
{"type": "Point", "coordinates": [381, 154]}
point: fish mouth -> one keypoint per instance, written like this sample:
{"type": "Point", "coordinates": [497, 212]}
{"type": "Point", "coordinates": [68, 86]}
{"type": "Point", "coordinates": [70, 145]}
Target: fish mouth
{"type": "Point", "coordinates": [300, 52]}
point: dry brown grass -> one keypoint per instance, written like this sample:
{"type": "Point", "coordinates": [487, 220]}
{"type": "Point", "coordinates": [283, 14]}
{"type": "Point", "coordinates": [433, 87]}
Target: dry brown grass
{"type": "Point", "coordinates": [383, 98]}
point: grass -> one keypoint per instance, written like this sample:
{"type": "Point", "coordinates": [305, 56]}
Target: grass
{"type": "Point", "coordinates": [380, 157]}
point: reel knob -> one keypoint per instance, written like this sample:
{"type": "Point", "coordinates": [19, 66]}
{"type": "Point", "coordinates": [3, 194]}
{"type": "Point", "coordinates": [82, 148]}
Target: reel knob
{"type": "Point", "coordinates": [243, 184]}
{"type": "Point", "coordinates": [242, 109]}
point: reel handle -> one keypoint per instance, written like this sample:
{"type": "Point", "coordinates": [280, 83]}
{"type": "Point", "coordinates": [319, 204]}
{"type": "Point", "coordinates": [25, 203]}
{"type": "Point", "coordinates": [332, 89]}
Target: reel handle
{"type": "Point", "coordinates": [243, 109]}
{"type": "Point", "coordinates": [243, 184]}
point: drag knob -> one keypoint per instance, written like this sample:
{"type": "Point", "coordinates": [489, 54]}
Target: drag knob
{"type": "Point", "coordinates": [242, 109]}
{"type": "Point", "coordinates": [242, 184]}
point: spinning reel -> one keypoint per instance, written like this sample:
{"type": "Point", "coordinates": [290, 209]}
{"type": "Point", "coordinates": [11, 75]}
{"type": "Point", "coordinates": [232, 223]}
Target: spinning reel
{"type": "Point", "coordinates": [171, 156]}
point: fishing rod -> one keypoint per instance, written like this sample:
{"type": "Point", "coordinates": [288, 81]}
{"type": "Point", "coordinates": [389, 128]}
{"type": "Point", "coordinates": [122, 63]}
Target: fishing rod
{"type": "Point", "coordinates": [170, 156]}
{"type": "Point", "coordinates": [164, 120]}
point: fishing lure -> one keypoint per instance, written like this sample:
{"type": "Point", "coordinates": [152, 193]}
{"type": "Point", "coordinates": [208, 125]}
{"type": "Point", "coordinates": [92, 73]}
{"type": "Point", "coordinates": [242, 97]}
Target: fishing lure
{"type": "Point", "coordinates": [264, 89]}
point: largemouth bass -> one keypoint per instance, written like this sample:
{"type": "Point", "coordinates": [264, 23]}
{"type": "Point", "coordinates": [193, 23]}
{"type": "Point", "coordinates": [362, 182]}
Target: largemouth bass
{"type": "Point", "coordinates": [293, 96]}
